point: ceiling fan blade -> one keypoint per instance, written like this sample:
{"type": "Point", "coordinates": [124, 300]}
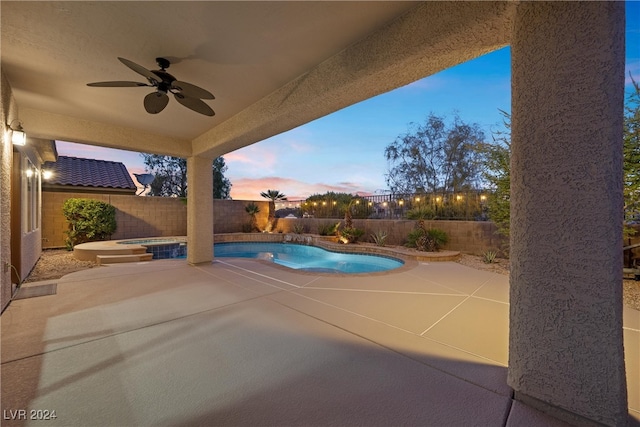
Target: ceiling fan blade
{"type": "Point", "coordinates": [191, 91]}
{"type": "Point", "coordinates": [140, 69]}
{"type": "Point", "coordinates": [117, 84]}
{"type": "Point", "coordinates": [155, 102]}
{"type": "Point", "coordinates": [194, 104]}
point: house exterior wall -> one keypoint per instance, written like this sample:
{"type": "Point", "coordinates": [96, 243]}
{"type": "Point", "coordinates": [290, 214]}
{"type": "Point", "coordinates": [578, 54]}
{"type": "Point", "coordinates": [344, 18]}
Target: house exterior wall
{"type": "Point", "coordinates": [26, 225]}
{"type": "Point", "coordinates": [8, 112]}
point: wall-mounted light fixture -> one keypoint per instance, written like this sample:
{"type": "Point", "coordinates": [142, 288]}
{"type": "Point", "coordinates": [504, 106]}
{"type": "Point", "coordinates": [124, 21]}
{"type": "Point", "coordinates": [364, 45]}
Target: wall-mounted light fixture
{"type": "Point", "coordinates": [46, 174]}
{"type": "Point", "coordinates": [18, 136]}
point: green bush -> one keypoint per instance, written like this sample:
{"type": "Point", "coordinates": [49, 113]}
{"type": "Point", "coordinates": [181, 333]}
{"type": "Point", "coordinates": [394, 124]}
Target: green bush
{"type": "Point", "coordinates": [438, 236]}
{"type": "Point", "coordinates": [89, 220]}
{"type": "Point", "coordinates": [350, 234]}
{"type": "Point", "coordinates": [421, 212]}
{"type": "Point", "coordinates": [430, 240]}
{"type": "Point", "coordinates": [252, 209]}
{"type": "Point", "coordinates": [489, 257]}
{"type": "Point", "coordinates": [328, 228]}
{"type": "Point", "coordinates": [299, 228]}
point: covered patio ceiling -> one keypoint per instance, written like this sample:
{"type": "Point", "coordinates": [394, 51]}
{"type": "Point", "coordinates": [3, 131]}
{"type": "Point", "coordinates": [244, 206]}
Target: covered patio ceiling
{"type": "Point", "coordinates": [272, 66]}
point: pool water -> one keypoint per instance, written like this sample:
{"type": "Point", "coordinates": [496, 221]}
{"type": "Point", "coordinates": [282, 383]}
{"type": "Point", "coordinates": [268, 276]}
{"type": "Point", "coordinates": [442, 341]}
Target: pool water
{"type": "Point", "coordinates": [307, 258]}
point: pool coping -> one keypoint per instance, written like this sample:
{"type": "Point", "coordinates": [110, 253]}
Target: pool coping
{"type": "Point", "coordinates": [89, 251]}
{"type": "Point", "coordinates": [330, 243]}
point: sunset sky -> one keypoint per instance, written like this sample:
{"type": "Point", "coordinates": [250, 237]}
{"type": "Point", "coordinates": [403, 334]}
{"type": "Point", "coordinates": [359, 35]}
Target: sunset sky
{"type": "Point", "coordinates": [344, 151]}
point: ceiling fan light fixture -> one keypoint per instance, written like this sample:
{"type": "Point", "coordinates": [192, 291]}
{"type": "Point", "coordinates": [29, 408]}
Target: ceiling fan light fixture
{"type": "Point", "coordinates": [187, 94]}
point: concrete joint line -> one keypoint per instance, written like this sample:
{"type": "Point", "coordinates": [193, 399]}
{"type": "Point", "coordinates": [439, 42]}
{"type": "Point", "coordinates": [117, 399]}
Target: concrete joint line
{"type": "Point", "coordinates": [453, 309]}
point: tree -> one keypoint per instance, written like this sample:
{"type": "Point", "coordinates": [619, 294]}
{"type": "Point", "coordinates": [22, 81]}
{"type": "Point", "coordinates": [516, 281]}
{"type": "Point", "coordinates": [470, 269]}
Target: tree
{"type": "Point", "coordinates": [171, 176]}
{"type": "Point", "coordinates": [273, 196]}
{"type": "Point", "coordinates": [252, 209]}
{"type": "Point", "coordinates": [631, 144]}
{"type": "Point", "coordinates": [435, 157]}
{"type": "Point", "coordinates": [221, 184]}
{"type": "Point", "coordinates": [332, 205]}
{"type": "Point", "coordinates": [497, 173]}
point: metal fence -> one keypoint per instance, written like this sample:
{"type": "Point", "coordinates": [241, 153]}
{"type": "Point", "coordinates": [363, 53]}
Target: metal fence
{"type": "Point", "coordinates": [467, 206]}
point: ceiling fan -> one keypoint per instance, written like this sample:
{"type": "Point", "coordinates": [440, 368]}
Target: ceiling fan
{"type": "Point", "coordinates": [187, 94]}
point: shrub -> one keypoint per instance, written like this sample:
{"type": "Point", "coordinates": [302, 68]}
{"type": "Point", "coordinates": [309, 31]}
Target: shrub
{"type": "Point", "coordinates": [89, 220]}
{"type": "Point", "coordinates": [328, 228]}
{"type": "Point", "coordinates": [350, 234]}
{"type": "Point", "coordinates": [489, 257]}
{"type": "Point", "coordinates": [299, 229]}
{"type": "Point", "coordinates": [421, 212]}
{"type": "Point", "coordinates": [379, 237]}
{"type": "Point", "coordinates": [438, 236]}
{"type": "Point", "coordinates": [252, 209]}
{"type": "Point", "coordinates": [430, 240]}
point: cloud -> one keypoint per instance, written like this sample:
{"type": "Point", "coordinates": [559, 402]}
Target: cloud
{"type": "Point", "coordinates": [250, 188]}
{"type": "Point", "coordinates": [251, 158]}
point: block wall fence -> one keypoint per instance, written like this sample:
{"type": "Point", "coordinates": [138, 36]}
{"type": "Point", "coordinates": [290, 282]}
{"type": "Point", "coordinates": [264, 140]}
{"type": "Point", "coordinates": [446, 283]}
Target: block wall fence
{"type": "Point", "coordinates": [139, 217]}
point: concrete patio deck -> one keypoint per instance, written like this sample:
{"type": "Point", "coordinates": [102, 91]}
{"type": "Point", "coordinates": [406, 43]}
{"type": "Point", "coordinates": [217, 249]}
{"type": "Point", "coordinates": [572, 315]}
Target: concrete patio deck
{"type": "Point", "coordinates": [241, 342]}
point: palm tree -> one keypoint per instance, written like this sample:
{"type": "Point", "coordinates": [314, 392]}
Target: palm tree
{"type": "Point", "coordinates": [253, 209]}
{"type": "Point", "coordinates": [273, 196]}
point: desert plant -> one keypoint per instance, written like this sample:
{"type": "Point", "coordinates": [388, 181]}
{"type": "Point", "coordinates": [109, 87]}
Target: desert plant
{"type": "Point", "coordinates": [253, 209]}
{"type": "Point", "coordinates": [428, 240]}
{"type": "Point", "coordinates": [299, 228]}
{"type": "Point", "coordinates": [89, 220]}
{"type": "Point", "coordinates": [489, 257]}
{"type": "Point", "coordinates": [273, 196]}
{"type": "Point", "coordinates": [438, 236]}
{"type": "Point", "coordinates": [328, 228]}
{"type": "Point", "coordinates": [421, 213]}
{"type": "Point", "coordinates": [379, 237]}
{"type": "Point", "coordinates": [350, 234]}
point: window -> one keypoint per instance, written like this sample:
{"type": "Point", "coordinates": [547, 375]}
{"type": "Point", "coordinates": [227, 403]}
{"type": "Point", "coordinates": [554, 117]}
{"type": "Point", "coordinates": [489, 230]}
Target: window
{"type": "Point", "coordinates": [31, 196]}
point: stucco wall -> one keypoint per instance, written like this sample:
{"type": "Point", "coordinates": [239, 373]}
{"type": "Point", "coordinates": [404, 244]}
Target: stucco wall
{"type": "Point", "coordinates": [565, 332]}
{"type": "Point", "coordinates": [8, 112]}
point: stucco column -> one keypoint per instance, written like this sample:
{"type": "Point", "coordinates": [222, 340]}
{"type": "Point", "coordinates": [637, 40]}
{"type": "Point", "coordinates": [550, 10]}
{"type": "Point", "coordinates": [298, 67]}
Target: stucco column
{"type": "Point", "coordinates": [199, 210]}
{"type": "Point", "coordinates": [565, 344]}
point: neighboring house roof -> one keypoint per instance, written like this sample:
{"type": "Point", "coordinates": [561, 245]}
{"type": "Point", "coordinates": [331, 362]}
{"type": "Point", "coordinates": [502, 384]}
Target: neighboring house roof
{"type": "Point", "coordinates": [89, 174]}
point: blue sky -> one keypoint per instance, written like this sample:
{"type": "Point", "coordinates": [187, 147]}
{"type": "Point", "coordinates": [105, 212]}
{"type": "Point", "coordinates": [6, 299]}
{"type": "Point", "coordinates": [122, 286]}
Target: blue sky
{"type": "Point", "coordinates": [344, 151]}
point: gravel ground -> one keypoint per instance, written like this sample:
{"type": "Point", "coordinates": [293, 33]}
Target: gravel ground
{"type": "Point", "coordinates": [55, 263]}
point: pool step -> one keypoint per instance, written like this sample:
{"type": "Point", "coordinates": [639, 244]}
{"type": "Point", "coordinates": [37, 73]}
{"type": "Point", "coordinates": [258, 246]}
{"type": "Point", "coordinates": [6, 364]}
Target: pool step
{"type": "Point", "coordinates": [114, 259]}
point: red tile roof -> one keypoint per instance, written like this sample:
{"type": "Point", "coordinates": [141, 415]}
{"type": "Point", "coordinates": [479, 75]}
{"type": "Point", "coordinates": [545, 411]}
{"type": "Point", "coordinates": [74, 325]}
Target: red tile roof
{"type": "Point", "coordinates": [74, 171]}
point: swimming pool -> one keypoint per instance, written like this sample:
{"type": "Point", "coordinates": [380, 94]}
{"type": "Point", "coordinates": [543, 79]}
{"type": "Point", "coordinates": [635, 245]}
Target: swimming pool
{"type": "Point", "coordinates": [307, 258]}
{"type": "Point", "coordinates": [161, 248]}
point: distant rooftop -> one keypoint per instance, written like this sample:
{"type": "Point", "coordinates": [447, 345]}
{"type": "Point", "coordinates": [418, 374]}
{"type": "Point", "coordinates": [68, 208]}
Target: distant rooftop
{"type": "Point", "coordinates": [91, 174]}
